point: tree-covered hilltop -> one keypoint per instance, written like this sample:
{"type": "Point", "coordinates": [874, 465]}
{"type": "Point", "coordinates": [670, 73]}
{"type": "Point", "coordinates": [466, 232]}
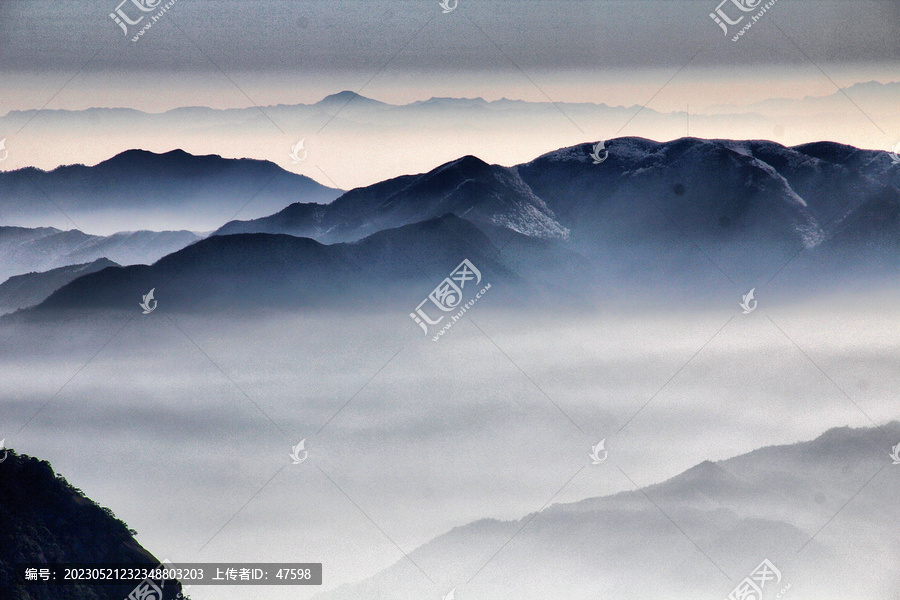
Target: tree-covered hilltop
{"type": "Point", "coordinates": [44, 519]}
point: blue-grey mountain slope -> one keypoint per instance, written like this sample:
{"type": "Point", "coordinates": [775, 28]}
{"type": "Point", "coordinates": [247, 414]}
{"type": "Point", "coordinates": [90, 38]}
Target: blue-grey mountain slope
{"type": "Point", "coordinates": [822, 512]}
{"type": "Point", "coordinates": [273, 270]}
{"type": "Point", "coordinates": [30, 289]}
{"type": "Point", "coordinates": [25, 250]}
{"type": "Point", "coordinates": [138, 189]}
{"type": "Point", "coordinates": [736, 212]}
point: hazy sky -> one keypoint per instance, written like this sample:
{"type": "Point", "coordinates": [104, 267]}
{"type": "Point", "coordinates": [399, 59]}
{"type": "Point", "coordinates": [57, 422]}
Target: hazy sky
{"type": "Point", "coordinates": [71, 54]}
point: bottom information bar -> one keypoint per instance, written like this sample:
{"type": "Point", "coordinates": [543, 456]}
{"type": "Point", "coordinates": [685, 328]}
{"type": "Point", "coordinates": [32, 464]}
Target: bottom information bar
{"type": "Point", "coordinates": [186, 573]}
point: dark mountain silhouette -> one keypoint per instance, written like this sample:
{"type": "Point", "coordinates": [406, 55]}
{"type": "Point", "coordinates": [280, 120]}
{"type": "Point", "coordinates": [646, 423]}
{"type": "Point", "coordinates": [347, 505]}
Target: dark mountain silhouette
{"type": "Point", "coordinates": [746, 207]}
{"type": "Point", "coordinates": [696, 535]}
{"type": "Point", "coordinates": [28, 250]}
{"type": "Point", "coordinates": [652, 223]}
{"type": "Point", "coordinates": [138, 188]}
{"type": "Point", "coordinates": [468, 188]}
{"type": "Point", "coordinates": [500, 131]}
{"type": "Point", "coordinates": [719, 189]}
{"type": "Point", "coordinates": [22, 291]}
{"type": "Point", "coordinates": [299, 219]}
{"type": "Point", "coordinates": [287, 271]}
{"type": "Point", "coordinates": [45, 520]}
{"type": "Point", "coordinates": [713, 188]}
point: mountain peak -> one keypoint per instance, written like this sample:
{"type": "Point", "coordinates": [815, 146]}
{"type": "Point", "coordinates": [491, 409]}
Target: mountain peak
{"type": "Point", "coordinates": [345, 97]}
{"type": "Point", "coordinates": [466, 163]}
{"type": "Point", "coordinates": [138, 157]}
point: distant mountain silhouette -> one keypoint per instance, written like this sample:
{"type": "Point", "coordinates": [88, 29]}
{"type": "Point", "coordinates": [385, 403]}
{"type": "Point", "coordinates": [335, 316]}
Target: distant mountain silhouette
{"type": "Point", "coordinates": [22, 291]}
{"type": "Point", "coordinates": [696, 535]}
{"type": "Point", "coordinates": [27, 250]}
{"type": "Point", "coordinates": [349, 99]}
{"type": "Point", "coordinates": [366, 141]}
{"type": "Point", "coordinates": [138, 189]}
{"type": "Point", "coordinates": [44, 519]}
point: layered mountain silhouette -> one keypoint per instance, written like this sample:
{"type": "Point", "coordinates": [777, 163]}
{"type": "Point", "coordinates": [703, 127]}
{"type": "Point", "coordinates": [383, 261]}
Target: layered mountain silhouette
{"type": "Point", "coordinates": [366, 140]}
{"type": "Point", "coordinates": [22, 291]}
{"type": "Point", "coordinates": [468, 188]}
{"type": "Point", "coordinates": [653, 219]}
{"type": "Point", "coordinates": [46, 520]}
{"type": "Point", "coordinates": [714, 189]}
{"type": "Point", "coordinates": [27, 250]}
{"type": "Point", "coordinates": [287, 271]}
{"type": "Point", "coordinates": [822, 512]}
{"type": "Point", "coordinates": [138, 189]}
{"type": "Point", "coordinates": [743, 208]}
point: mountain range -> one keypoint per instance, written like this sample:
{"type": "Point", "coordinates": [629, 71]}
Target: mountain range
{"type": "Point", "coordinates": [286, 271]}
{"type": "Point", "coordinates": [871, 91]}
{"type": "Point", "coordinates": [745, 208]}
{"type": "Point", "coordinates": [26, 250]}
{"type": "Point", "coordinates": [355, 141]}
{"type": "Point", "coordinates": [142, 190]}
{"type": "Point", "coordinates": [822, 512]}
{"type": "Point", "coordinates": [716, 189]}
{"type": "Point", "coordinates": [697, 215]}
{"type": "Point", "coordinates": [30, 289]}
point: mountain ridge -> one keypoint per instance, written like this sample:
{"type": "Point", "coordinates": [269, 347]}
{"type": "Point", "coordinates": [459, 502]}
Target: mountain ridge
{"type": "Point", "coordinates": [278, 270]}
{"type": "Point", "coordinates": [45, 520]}
{"type": "Point", "coordinates": [748, 207]}
{"type": "Point", "coordinates": [651, 218]}
{"type": "Point", "coordinates": [140, 189]}
{"type": "Point", "coordinates": [27, 250]}
{"type": "Point", "coordinates": [349, 95]}
{"type": "Point", "coordinates": [30, 289]}
{"type": "Point", "coordinates": [719, 522]}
